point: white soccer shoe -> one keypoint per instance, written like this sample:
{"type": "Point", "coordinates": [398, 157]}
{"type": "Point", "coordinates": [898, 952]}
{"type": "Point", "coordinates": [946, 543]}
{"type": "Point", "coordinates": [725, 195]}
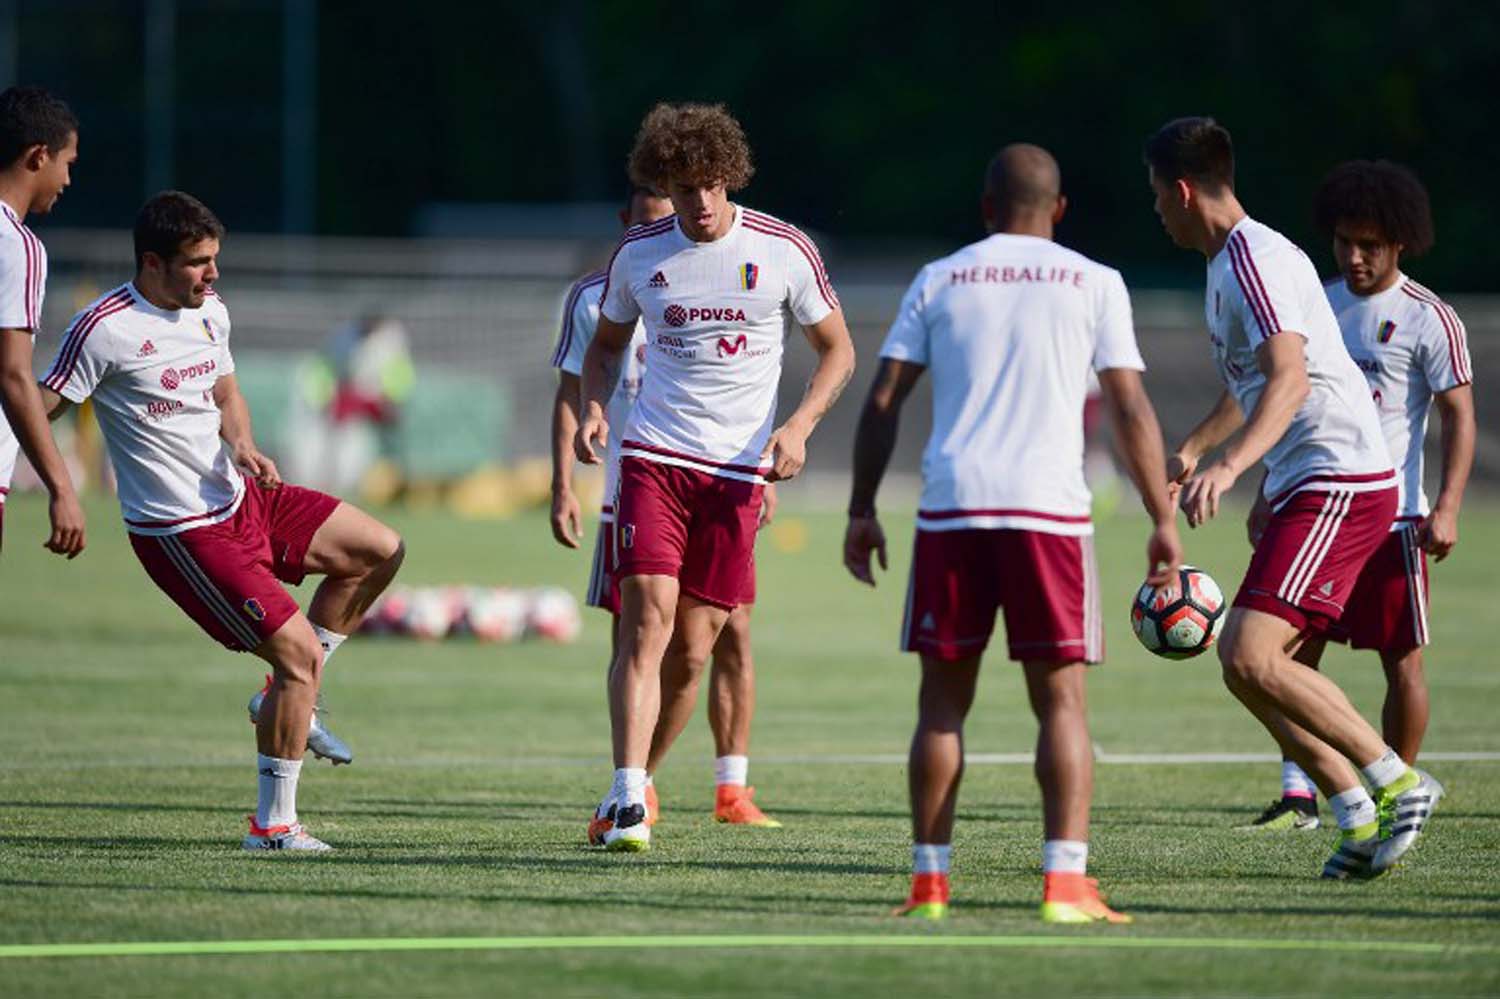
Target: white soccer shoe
{"type": "Point", "coordinates": [629, 832]}
{"type": "Point", "coordinates": [292, 837]}
{"type": "Point", "coordinates": [1410, 810]}
{"type": "Point", "coordinates": [323, 743]}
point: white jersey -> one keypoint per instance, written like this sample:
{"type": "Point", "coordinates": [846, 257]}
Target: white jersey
{"type": "Point", "coordinates": [1410, 345]}
{"type": "Point", "coordinates": [151, 374]}
{"type": "Point", "coordinates": [23, 283]}
{"type": "Point", "coordinates": [1260, 284]}
{"type": "Point", "coordinates": [716, 316]}
{"type": "Point", "coordinates": [1011, 327]}
{"type": "Point", "coordinates": [580, 319]}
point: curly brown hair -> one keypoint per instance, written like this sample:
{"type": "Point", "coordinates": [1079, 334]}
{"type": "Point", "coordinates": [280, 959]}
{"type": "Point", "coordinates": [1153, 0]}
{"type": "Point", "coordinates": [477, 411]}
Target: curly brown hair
{"type": "Point", "coordinates": [1383, 194]}
{"type": "Point", "coordinates": [694, 143]}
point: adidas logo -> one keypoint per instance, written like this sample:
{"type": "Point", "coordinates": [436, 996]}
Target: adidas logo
{"type": "Point", "coordinates": [928, 624]}
{"type": "Point", "coordinates": [1326, 589]}
{"type": "Point", "coordinates": [147, 349]}
{"type": "Point", "coordinates": [658, 280]}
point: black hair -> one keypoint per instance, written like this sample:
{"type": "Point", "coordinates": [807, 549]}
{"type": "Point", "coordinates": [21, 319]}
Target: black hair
{"type": "Point", "coordinates": [29, 116]}
{"type": "Point", "coordinates": [1196, 148]}
{"type": "Point", "coordinates": [1383, 194]}
{"type": "Point", "coordinates": [169, 219]}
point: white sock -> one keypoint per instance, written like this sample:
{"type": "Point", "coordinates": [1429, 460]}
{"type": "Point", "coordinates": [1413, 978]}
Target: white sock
{"type": "Point", "coordinates": [1295, 783]}
{"type": "Point", "coordinates": [1065, 856]}
{"type": "Point", "coordinates": [1385, 771]}
{"type": "Point", "coordinates": [276, 804]}
{"type": "Point", "coordinates": [731, 770]}
{"type": "Point", "coordinates": [1353, 808]}
{"type": "Point", "coordinates": [330, 640]}
{"type": "Point", "coordinates": [930, 858]}
{"type": "Point", "coordinates": [630, 786]}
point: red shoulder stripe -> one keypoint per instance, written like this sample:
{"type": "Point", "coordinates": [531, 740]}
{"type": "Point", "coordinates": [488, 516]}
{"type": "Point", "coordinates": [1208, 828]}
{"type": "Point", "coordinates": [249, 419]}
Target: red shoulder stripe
{"type": "Point", "coordinates": [67, 357]}
{"type": "Point", "coordinates": [766, 225]}
{"type": "Point", "coordinates": [574, 293]}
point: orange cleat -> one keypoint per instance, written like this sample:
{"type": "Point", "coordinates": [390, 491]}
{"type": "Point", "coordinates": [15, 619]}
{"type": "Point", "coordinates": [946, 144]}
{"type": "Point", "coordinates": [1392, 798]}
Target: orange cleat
{"type": "Point", "coordinates": [928, 899]}
{"type": "Point", "coordinates": [1074, 898]}
{"type": "Point", "coordinates": [653, 806]}
{"type": "Point", "coordinates": [732, 804]}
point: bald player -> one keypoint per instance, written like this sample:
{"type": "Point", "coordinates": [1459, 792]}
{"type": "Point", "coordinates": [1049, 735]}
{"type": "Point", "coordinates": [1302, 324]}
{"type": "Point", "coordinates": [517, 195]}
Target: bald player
{"type": "Point", "coordinates": [1011, 327]}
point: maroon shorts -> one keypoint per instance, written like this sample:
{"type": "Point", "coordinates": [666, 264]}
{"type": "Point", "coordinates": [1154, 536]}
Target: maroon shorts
{"type": "Point", "coordinates": [1048, 585]}
{"type": "Point", "coordinates": [700, 528]}
{"type": "Point", "coordinates": [1311, 554]}
{"type": "Point", "coordinates": [1388, 608]}
{"type": "Point", "coordinates": [604, 583]}
{"type": "Point", "coordinates": [225, 576]}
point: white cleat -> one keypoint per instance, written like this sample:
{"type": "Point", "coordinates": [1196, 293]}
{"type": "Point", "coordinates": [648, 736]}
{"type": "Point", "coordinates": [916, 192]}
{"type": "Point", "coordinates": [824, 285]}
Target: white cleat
{"type": "Point", "coordinates": [629, 832]}
{"type": "Point", "coordinates": [323, 743]}
{"type": "Point", "coordinates": [1410, 811]}
{"type": "Point", "coordinates": [292, 837]}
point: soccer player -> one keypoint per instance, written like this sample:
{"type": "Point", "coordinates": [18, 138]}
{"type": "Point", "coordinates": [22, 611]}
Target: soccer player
{"type": "Point", "coordinates": [1412, 349]}
{"type": "Point", "coordinates": [732, 676]}
{"type": "Point", "coordinates": [208, 515]}
{"type": "Point", "coordinates": [1296, 400]}
{"type": "Point", "coordinates": [1011, 327]}
{"type": "Point", "coordinates": [716, 285]}
{"type": "Point", "coordinates": [38, 146]}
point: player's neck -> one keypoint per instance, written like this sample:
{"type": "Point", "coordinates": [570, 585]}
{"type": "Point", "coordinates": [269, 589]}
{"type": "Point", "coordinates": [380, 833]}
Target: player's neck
{"type": "Point", "coordinates": [154, 295]}
{"type": "Point", "coordinates": [16, 194]}
{"type": "Point", "coordinates": [1037, 224]}
{"type": "Point", "coordinates": [1219, 217]}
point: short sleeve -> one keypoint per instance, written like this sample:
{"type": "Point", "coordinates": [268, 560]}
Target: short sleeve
{"type": "Point", "coordinates": [618, 303]}
{"type": "Point", "coordinates": [1444, 348]}
{"type": "Point", "coordinates": [19, 283]}
{"type": "Point", "coordinates": [1114, 337]}
{"type": "Point", "coordinates": [809, 292]}
{"type": "Point", "coordinates": [228, 357]}
{"type": "Point", "coordinates": [83, 360]}
{"type": "Point", "coordinates": [579, 319]}
{"type": "Point", "coordinates": [908, 339]}
{"type": "Point", "coordinates": [1269, 298]}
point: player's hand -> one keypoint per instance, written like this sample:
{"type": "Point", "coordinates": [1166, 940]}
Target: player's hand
{"type": "Point", "coordinates": [1180, 468]}
{"type": "Point", "coordinates": [1203, 492]}
{"type": "Point", "coordinates": [593, 433]}
{"type": "Point", "coordinates": [67, 536]}
{"type": "Point", "coordinates": [1258, 520]}
{"type": "Point", "coordinates": [1163, 554]}
{"type": "Point", "coordinates": [567, 518]}
{"type": "Point", "coordinates": [1438, 533]}
{"type": "Point", "coordinates": [256, 465]}
{"type": "Point", "coordinates": [768, 503]}
{"type": "Point", "coordinates": [862, 536]}
{"type": "Point", "coordinates": [787, 451]}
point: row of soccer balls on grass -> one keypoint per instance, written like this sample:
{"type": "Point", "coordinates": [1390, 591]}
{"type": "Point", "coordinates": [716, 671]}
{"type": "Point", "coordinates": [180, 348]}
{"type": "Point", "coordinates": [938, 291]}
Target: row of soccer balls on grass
{"type": "Point", "coordinates": [486, 613]}
{"type": "Point", "coordinates": [1181, 619]}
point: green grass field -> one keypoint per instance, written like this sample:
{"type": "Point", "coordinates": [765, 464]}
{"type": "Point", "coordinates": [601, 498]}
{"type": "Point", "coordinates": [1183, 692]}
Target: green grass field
{"type": "Point", "coordinates": [128, 770]}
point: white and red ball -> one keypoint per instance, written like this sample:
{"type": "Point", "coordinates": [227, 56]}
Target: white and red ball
{"type": "Point", "coordinates": [1181, 619]}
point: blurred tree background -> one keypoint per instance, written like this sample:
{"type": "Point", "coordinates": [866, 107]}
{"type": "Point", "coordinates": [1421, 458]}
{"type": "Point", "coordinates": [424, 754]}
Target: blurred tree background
{"type": "Point", "coordinates": [871, 122]}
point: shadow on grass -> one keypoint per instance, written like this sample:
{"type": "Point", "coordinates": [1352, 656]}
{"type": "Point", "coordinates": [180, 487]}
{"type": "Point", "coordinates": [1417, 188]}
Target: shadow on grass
{"type": "Point", "coordinates": [117, 806]}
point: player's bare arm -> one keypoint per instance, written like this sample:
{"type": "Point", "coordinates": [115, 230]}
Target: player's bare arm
{"type": "Point", "coordinates": [567, 514]}
{"type": "Point", "coordinates": [23, 407]}
{"type": "Point", "coordinates": [874, 440]}
{"type": "Point", "coordinates": [1136, 428]}
{"type": "Point", "coordinates": [1282, 361]}
{"type": "Point", "coordinates": [234, 416]}
{"type": "Point", "coordinates": [787, 446]}
{"type": "Point", "coordinates": [1438, 533]}
{"type": "Point", "coordinates": [601, 370]}
{"type": "Point", "coordinates": [1224, 419]}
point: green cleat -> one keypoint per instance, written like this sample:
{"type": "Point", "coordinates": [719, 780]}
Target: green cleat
{"type": "Point", "coordinates": [933, 912]}
{"type": "Point", "coordinates": [1286, 815]}
{"type": "Point", "coordinates": [1352, 860]}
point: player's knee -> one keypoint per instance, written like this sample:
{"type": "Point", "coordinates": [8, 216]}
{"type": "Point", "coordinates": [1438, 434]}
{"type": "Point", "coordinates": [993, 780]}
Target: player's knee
{"type": "Point", "coordinates": [385, 548]}
{"type": "Point", "coordinates": [1246, 668]}
{"type": "Point", "coordinates": [300, 660]}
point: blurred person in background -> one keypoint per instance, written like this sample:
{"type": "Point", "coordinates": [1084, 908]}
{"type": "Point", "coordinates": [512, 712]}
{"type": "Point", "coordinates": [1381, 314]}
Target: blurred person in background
{"type": "Point", "coordinates": [38, 146]}
{"type": "Point", "coordinates": [731, 704]}
{"type": "Point", "coordinates": [346, 400]}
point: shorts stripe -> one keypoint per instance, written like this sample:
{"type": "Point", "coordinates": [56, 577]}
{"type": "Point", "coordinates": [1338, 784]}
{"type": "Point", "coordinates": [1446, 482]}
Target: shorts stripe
{"type": "Point", "coordinates": [1093, 614]}
{"type": "Point", "coordinates": [1315, 547]}
{"type": "Point", "coordinates": [598, 578]}
{"type": "Point", "coordinates": [1416, 592]}
{"type": "Point", "coordinates": [216, 602]}
{"type": "Point", "coordinates": [908, 635]}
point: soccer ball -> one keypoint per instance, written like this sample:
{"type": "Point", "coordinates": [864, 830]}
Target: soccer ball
{"type": "Point", "coordinates": [496, 614]}
{"type": "Point", "coordinates": [430, 614]}
{"type": "Point", "coordinates": [554, 615]}
{"type": "Point", "coordinates": [1182, 620]}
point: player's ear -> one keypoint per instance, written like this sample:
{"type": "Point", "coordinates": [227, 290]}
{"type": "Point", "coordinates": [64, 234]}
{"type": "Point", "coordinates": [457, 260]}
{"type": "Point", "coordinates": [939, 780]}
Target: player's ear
{"type": "Point", "coordinates": [36, 157]}
{"type": "Point", "coordinates": [987, 212]}
{"type": "Point", "coordinates": [1060, 209]}
{"type": "Point", "coordinates": [1184, 191]}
